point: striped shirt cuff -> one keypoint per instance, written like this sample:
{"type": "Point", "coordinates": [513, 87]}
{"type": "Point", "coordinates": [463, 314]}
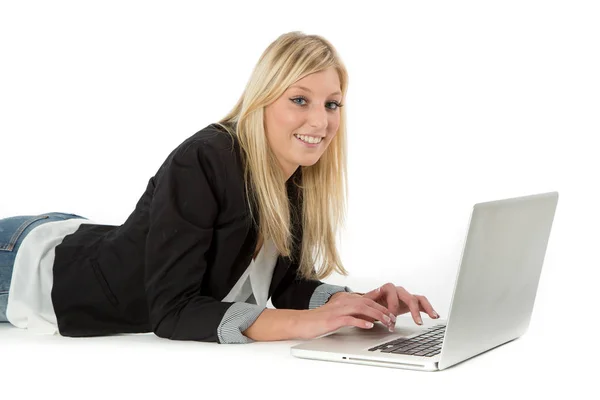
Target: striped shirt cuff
{"type": "Point", "coordinates": [236, 320]}
{"type": "Point", "coordinates": [323, 292]}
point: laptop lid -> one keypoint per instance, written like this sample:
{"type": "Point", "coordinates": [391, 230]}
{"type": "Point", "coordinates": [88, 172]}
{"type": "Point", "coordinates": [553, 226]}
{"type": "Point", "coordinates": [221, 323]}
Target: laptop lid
{"type": "Point", "coordinates": [498, 275]}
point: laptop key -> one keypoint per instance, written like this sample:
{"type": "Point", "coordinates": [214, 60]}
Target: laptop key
{"type": "Point", "coordinates": [421, 353]}
{"type": "Point", "coordinates": [406, 352]}
{"type": "Point", "coordinates": [390, 349]}
{"type": "Point", "coordinates": [383, 346]}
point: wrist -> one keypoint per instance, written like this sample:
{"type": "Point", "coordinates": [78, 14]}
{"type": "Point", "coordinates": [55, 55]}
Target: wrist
{"type": "Point", "coordinates": [333, 296]}
{"type": "Point", "coordinates": [296, 323]}
{"type": "Point", "coordinates": [274, 324]}
{"type": "Point", "coordinates": [345, 293]}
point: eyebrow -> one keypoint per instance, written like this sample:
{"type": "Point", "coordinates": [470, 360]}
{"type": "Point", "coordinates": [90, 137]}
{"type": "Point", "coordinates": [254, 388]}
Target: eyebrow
{"type": "Point", "coordinates": [310, 91]}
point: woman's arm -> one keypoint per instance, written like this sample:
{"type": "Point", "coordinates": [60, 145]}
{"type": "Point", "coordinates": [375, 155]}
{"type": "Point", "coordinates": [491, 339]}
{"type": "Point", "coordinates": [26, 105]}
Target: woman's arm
{"type": "Point", "coordinates": [274, 325]}
{"type": "Point", "coordinates": [303, 294]}
{"type": "Point", "coordinates": [181, 219]}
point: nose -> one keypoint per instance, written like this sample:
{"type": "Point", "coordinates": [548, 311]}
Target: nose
{"type": "Point", "coordinates": [318, 118]}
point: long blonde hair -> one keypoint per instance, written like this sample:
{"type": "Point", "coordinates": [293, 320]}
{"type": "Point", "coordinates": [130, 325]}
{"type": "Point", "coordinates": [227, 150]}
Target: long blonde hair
{"type": "Point", "coordinates": [323, 187]}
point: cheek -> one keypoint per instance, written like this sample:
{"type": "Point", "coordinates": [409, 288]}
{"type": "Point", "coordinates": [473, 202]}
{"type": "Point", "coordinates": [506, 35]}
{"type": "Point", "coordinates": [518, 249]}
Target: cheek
{"type": "Point", "coordinates": [285, 120]}
{"type": "Point", "coordinates": [333, 125]}
{"type": "Point", "coordinates": [292, 118]}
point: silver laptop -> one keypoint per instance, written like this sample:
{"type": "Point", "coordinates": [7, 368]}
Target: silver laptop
{"type": "Point", "coordinates": [491, 305]}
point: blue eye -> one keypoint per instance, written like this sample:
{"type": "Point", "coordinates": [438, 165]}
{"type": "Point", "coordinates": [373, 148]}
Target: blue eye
{"type": "Point", "coordinates": [298, 98]}
{"type": "Point", "coordinates": [337, 105]}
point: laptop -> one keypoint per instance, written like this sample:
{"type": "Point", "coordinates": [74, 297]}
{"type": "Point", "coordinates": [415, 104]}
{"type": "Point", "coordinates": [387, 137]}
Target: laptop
{"type": "Point", "coordinates": [491, 304]}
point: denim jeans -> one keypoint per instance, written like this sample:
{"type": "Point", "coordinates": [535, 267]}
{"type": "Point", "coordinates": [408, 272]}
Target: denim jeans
{"type": "Point", "coordinates": [12, 233]}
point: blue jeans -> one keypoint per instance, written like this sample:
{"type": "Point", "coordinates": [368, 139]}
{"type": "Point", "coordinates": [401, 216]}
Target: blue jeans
{"type": "Point", "coordinates": [12, 232]}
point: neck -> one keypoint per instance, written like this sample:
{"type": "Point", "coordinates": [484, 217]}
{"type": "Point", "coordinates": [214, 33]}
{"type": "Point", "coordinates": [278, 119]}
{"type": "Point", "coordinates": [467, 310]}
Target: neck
{"type": "Point", "coordinates": [289, 175]}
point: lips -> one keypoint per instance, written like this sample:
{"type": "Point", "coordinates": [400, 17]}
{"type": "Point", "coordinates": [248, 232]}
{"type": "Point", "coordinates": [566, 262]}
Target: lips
{"type": "Point", "coordinates": [312, 137]}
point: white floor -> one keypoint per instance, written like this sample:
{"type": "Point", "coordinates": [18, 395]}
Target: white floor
{"type": "Point", "coordinates": [548, 361]}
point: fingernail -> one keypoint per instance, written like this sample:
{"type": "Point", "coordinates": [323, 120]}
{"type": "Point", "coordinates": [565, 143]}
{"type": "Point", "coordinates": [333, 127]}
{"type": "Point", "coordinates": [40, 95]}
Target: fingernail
{"type": "Point", "coordinates": [393, 317]}
{"type": "Point", "coordinates": [420, 321]}
{"type": "Point", "coordinates": [435, 314]}
{"type": "Point", "coordinates": [386, 318]}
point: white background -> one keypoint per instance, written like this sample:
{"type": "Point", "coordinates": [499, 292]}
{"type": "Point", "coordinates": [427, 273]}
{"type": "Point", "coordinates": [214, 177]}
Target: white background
{"type": "Point", "coordinates": [449, 104]}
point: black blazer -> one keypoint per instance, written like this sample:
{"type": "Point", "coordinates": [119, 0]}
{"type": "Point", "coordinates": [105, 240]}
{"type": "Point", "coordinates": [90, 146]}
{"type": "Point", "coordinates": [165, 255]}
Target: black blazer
{"type": "Point", "coordinates": [182, 249]}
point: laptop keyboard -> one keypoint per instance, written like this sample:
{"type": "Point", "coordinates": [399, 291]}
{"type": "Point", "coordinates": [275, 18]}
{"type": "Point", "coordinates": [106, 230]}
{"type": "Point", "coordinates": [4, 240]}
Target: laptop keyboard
{"type": "Point", "coordinates": [427, 344]}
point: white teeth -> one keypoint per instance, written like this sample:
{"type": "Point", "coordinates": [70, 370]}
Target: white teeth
{"type": "Point", "coordinates": [308, 139]}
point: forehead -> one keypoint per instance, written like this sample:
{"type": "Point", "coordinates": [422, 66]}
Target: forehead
{"type": "Point", "coordinates": [325, 83]}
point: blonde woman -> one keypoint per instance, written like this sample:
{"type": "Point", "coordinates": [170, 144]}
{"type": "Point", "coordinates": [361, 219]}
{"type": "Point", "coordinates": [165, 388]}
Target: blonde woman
{"type": "Point", "coordinates": [245, 210]}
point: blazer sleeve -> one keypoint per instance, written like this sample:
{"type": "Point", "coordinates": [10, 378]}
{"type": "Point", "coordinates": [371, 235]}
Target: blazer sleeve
{"type": "Point", "coordinates": [303, 294]}
{"type": "Point", "coordinates": [181, 219]}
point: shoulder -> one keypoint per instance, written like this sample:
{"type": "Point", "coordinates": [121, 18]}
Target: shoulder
{"type": "Point", "coordinates": [211, 147]}
{"type": "Point", "coordinates": [211, 140]}
{"type": "Point", "coordinates": [214, 151]}
{"type": "Point", "coordinates": [214, 137]}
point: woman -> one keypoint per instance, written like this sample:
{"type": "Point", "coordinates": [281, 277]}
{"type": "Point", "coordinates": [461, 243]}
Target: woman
{"type": "Point", "coordinates": [232, 218]}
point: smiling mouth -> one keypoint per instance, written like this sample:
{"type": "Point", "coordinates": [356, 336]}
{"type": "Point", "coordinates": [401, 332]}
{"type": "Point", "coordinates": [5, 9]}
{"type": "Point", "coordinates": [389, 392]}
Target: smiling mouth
{"type": "Point", "coordinates": [307, 139]}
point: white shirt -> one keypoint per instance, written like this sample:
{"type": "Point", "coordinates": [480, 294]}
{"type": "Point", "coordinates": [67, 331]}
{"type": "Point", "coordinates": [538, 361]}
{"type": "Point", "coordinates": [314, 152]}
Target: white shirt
{"type": "Point", "coordinates": [260, 273]}
{"type": "Point", "coordinates": [29, 303]}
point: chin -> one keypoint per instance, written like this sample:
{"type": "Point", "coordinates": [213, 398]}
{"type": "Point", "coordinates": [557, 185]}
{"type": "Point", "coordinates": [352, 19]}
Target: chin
{"type": "Point", "coordinates": [308, 163]}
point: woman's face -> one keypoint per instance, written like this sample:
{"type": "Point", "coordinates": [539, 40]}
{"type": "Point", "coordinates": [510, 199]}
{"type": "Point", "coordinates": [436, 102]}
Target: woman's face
{"type": "Point", "coordinates": [308, 107]}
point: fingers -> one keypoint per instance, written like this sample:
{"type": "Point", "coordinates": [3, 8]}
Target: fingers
{"type": "Point", "coordinates": [397, 300]}
{"type": "Point", "coordinates": [386, 317]}
{"type": "Point", "coordinates": [413, 302]}
{"type": "Point", "coordinates": [369, 309]}
{"type": "Point", "coordinates": [376, 293]}
{"type": "Point", "coordinates": [373, 294]}
{"type": "Point", "coordinates": [349, 320]}
{"type": "Point", "coordinates": [391, 297]}
{"type": "Point", "coordinates": [382, 309]}
{"type": "Point", "coordinates": [427, 307]}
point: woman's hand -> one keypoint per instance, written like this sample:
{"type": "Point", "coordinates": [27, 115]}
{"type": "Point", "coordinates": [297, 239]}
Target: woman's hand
{"type": "Point", "coordinates": [349, 310]}
{"type": "Point", "coordinates": [397, 300]}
